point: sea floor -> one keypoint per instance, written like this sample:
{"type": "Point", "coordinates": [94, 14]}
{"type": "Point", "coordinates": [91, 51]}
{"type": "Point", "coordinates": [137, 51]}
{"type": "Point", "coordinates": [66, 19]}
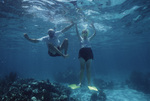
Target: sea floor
{"type": "Point", "coordinates": [17, 89]}
{"type": "Point", "coordinates": [117, 94]}
{"type": "Point", "coordinates": [126, 94]}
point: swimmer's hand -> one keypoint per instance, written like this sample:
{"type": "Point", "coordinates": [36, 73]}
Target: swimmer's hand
{"type": "Point", "coordinates": [92, 25]}
{"type": "Point", "coordinates": [26, 36]}
{"type": "Point", "coordinates": [72, 22]}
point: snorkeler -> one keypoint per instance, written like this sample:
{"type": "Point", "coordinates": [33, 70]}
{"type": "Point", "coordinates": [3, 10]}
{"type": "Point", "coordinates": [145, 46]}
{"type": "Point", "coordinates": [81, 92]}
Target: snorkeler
{"type": "Point", "coordinates": [85, 53]}
{"type": "Point", "coordinates": [55, 48]}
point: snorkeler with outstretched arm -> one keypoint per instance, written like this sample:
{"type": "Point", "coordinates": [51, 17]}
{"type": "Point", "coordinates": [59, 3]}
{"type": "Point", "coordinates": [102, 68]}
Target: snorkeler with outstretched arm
{"type": "Point", "coordinates": [53, 43]}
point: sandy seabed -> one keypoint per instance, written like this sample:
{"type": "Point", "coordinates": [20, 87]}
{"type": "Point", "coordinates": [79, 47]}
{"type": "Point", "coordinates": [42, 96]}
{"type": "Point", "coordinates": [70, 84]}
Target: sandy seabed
{"type": "Point", "coordinates": [118, 94]}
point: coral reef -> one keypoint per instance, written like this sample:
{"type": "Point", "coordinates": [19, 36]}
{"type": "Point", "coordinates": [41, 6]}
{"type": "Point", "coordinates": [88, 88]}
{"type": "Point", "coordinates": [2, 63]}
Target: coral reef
{"type": "Point", "coordinates": [6, 82]}
{"type": "Point", "coordinates": [139, 81]}
{"type": "Point", "coordinates": [100, 96]}
{"type": "Point", "coordinates": [17, 89]}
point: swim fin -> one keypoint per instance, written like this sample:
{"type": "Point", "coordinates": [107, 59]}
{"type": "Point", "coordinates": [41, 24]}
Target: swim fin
{"type": "Point", "coordinates": [92, 88]}
{"type": "Point", "coordinates": [73, 86]}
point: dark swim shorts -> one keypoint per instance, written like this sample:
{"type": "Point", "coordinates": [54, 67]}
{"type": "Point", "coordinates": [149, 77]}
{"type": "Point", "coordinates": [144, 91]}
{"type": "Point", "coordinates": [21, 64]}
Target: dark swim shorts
{"type": "Point", "coordinates": [54, 55]}
{"type": "Point", "coordinates": [86, 53]}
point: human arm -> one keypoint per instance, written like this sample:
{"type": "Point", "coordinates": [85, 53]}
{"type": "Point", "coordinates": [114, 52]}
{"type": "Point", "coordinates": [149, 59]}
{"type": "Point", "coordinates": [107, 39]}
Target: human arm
{"type": "Point", "coordinates": [91, 37]}
{"type": "Point", "coordinates": [31, 40]}
{"type": "Point", "coordinates": [60, 53]}
{"type": "Point", "coordinates": [67, 28]}
{"type": "Point", "coordinates": [78, 33]}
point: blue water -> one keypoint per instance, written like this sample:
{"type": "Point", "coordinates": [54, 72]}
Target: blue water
{"type": "Point", "coordinates": [121, 45]}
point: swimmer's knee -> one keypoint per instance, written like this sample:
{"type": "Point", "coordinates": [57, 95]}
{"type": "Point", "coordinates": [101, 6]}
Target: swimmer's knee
{"type": "Point", "coordinates": [66, 39]}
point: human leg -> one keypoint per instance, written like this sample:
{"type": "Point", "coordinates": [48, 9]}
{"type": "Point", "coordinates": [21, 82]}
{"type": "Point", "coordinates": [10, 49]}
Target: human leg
{"type": "Point", "coordinates": [64, 46]}
{"type": "Point", "coordinates": [54, 51]}
{"type": "Point", "coordinates": [88, 68]}
{"type": "Point", "coordinates": [82, 65]}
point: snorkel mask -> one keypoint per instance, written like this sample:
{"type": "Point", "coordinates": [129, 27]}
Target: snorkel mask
{"type": "Point", "coordinates": [85, 33]}
{"type": "Point", "coordinates": [51, 33]}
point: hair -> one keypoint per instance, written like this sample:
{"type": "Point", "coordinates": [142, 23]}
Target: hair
{"type": "Point", "coordinates": [50, 30]}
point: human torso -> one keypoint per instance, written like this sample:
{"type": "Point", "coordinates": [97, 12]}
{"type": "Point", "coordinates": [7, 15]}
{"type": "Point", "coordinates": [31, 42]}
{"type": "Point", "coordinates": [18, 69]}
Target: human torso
{"type": "Point", "coordinates": [54, 41]}
{"type": "Point", "coordinates": [85, 43]}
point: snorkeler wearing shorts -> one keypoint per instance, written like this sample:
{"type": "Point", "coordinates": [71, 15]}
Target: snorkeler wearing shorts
{"type": "Point", "coordinates": [85, 53]}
